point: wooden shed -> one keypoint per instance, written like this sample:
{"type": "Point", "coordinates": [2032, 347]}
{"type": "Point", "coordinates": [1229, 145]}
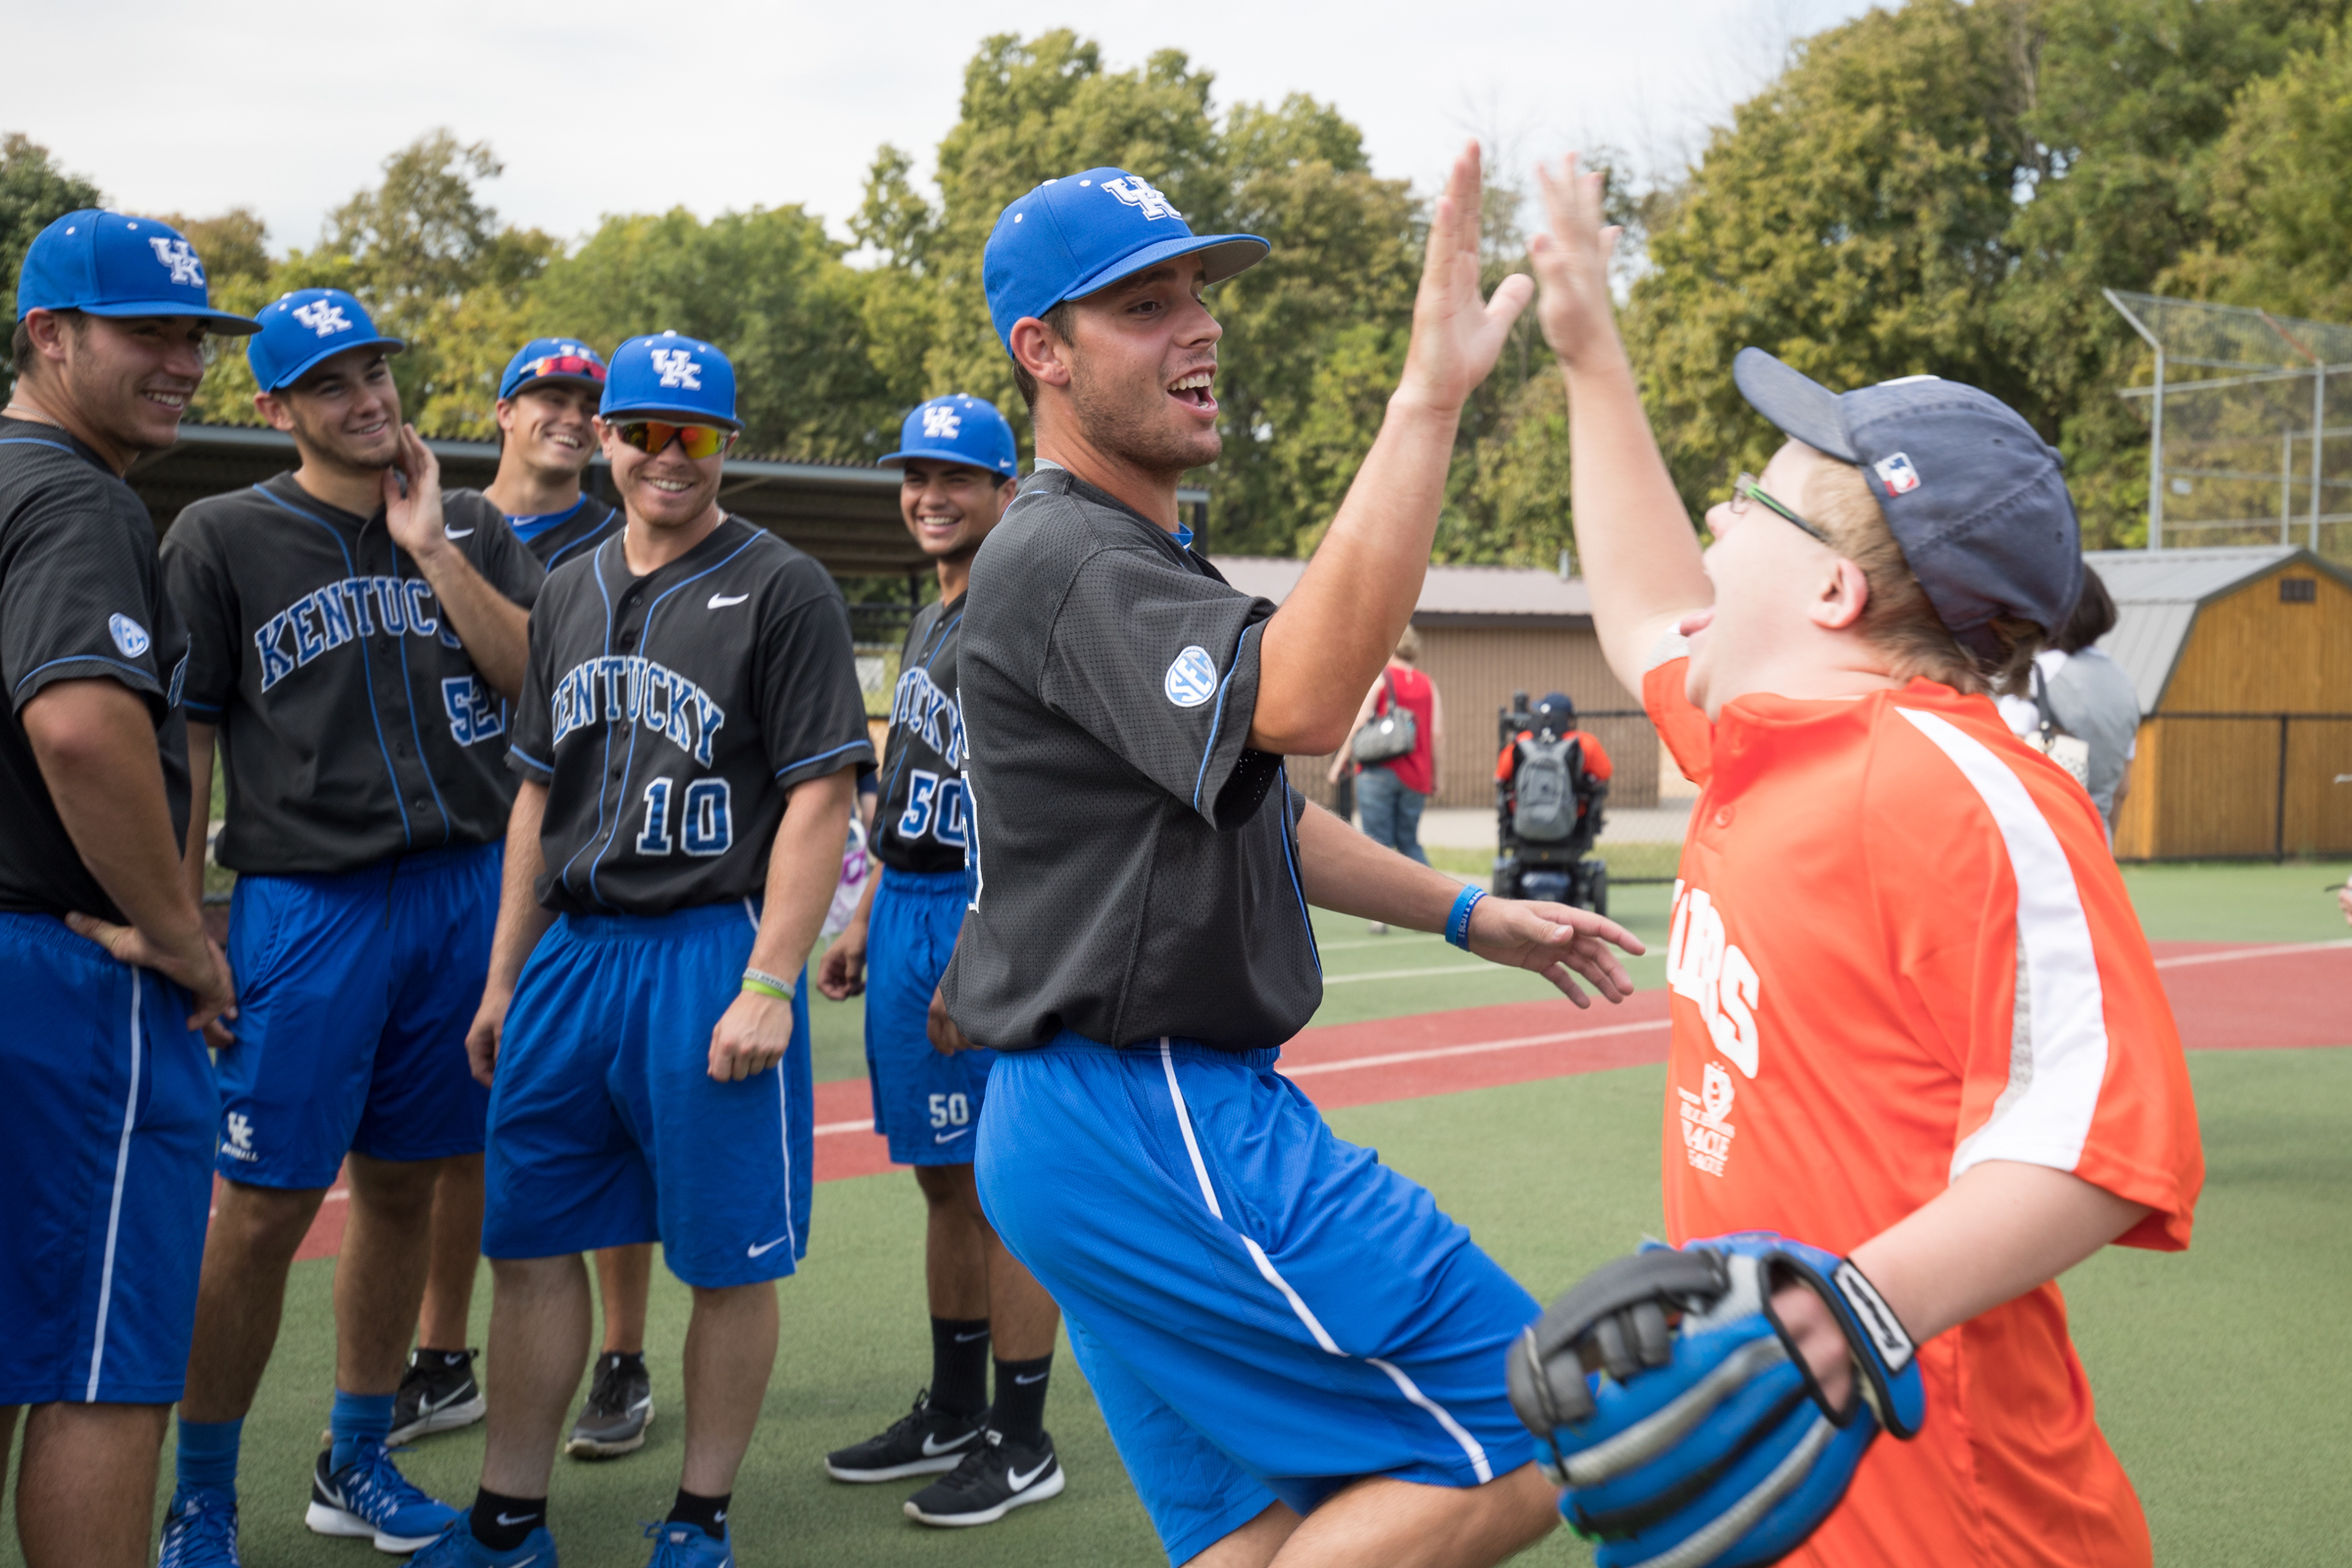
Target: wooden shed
{"type": "Point", "coordinates": [2242, 659]}
{"type": "Point", "coordinates": [1486, 632]}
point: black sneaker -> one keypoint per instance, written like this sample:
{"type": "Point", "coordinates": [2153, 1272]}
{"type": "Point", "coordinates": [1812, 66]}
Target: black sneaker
{"type": "Point", "coordinates": [619, 1407]}
{"type": "Point", "coordinates": [923, 1442]}
{"type": "Point", "coordinates": [437, 1393]}
{"type": "Point", "coordinates": [995, 1478]}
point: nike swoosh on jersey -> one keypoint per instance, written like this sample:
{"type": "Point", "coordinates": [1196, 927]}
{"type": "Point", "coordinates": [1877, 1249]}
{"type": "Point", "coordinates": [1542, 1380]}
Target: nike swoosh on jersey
{"type": "Point", "coordinates": [1019, 1482]}
{"type": "Point", "coordinates": [723, 601]}
{"type": "Point", "coordinates": [456, 533]}
{"type": "Point", "coordinates": [949, 1138]}
{"type": "Point", "coordinates": [933, 1448]}
{"type": "Point", "coordinates": [766, 1247]}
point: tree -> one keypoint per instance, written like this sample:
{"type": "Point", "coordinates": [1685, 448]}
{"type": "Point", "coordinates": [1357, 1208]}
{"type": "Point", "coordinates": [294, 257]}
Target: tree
{"type": "Point", "coordinates": [33, 193]}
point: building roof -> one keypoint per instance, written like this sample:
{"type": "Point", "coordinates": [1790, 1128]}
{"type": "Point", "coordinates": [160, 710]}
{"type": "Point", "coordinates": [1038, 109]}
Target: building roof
{"type": "Point", "coordinates": [1450, 596]}
{"type": "Point", "coordinates": [2158, 592]}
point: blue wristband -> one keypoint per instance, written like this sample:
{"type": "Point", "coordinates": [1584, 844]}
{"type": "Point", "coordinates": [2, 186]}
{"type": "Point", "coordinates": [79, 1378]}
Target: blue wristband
{"type": "Point", "coordinates": [1457, 922]}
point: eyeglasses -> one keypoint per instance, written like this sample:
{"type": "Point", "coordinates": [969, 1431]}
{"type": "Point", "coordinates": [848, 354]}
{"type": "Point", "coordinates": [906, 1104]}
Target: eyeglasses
{"type": "Point", "coordinates": [1746, 489]}
{"type": "Point", "coordinates": [573, 365]}
{"type": "Point", "coordinates": [654, 437]}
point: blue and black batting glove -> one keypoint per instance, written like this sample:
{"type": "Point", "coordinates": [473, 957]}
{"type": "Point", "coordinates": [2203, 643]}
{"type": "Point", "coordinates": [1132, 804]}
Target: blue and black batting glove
{"type": "Point", "coordinates": [1678, 1418]}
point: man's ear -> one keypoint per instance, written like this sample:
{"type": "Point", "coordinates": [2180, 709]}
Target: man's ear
{"type": "Point", "coordinates": [273, 410]}
{"type": "Point", "coordinates": [1844, 595]}
{"type": "Point", "coordinates": [1039, 352]}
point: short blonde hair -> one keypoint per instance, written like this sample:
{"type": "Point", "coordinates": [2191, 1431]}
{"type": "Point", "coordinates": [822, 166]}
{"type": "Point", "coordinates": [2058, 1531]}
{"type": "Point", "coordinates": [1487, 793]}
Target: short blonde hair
{"type": "Point", "coordinates": [1900, 620]}
{"type": "Point", "coordinates": [1408, 646]}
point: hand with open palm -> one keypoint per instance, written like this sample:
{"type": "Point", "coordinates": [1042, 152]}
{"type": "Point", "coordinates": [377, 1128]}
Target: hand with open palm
{"type": "Point", "coordinates": [1458, 334]}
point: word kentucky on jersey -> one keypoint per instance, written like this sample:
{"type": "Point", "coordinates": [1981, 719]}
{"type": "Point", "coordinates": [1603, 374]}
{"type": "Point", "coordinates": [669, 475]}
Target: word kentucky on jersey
{"type": "Point", "coordinates": [643, 691]}
{"type": "Point", "coordinates": [327, 617]}
{"type": "Point", "coordinates": [933, 714]}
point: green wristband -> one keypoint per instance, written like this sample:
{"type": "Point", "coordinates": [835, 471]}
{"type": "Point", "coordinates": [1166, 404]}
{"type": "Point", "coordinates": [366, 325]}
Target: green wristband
{"type": "Point", "coordinates": [762, 988]}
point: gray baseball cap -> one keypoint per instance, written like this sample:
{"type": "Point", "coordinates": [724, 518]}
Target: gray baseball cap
{"type": "Point", "coordinates": [1974, 496]}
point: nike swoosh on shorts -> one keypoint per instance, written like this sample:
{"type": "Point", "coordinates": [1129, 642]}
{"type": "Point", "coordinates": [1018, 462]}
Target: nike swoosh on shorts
{"type": "Point", "coordinates": [949, 1138]}
{"type": "Point", "coordinates": [723, 601]}
{"type": "Point", "coordinates": [766, 1247]}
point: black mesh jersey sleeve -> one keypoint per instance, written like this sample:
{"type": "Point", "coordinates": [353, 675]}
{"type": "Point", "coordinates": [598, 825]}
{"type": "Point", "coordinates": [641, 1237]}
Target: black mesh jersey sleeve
{"type": "Point", "coordinates": [1162, 665]}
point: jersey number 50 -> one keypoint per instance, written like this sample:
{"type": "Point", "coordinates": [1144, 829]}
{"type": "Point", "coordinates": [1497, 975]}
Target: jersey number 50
{"type": "Point", "coordinates": [709, 827]}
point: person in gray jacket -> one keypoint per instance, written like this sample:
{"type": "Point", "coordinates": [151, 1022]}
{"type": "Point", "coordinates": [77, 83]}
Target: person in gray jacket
{"type": "Point", "coordinates": [2088, 696]}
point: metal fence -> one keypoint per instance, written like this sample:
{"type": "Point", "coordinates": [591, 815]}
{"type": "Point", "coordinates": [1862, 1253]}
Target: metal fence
{"type": "Point", "coordinates": [2241, 786]}
{"type": "Point", "coordinates": [2240, 447]}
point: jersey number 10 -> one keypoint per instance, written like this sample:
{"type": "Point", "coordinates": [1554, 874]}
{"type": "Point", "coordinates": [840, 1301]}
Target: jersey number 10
{"type": "Point", "coordinates": [708, 826]}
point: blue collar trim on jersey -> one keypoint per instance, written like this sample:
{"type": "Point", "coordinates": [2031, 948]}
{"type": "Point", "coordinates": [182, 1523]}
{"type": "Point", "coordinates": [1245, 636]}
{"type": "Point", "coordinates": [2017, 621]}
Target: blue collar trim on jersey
{"type": "Point", "coordinates": [531, 526]}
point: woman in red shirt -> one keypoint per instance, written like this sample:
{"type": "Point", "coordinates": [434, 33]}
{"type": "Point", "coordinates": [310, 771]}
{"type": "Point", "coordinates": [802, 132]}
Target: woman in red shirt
{"type": "Point", "coordinates": [1390, 795]}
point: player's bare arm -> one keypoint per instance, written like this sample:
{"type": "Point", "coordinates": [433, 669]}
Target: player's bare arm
{"type": "Point", "coordinates": [1336, 629]}
{"type": "Point", "coordinates": [200, 793]}
{"type": "Point", "coordinates": [1634, 539]}
{"type": "Point", "coordinates": [1345, 871]}
{"type": "Point", "coordinates": [522, 921]}
{"type": "Point", "coordinates": [841, 974]}
{"type": "Point", "coordinates": [1999, 1231]}
{"type": "Point", "coordinates": [95, 743]}
{"type": "Point", "coordinates": [803, 867]}
{"type": "Point", "coordinates": [493, 627]}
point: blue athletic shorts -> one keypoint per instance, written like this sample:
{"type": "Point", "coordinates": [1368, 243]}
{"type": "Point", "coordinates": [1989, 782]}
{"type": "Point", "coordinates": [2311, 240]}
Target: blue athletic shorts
{"type": "Point", "coordinates": [605, 1125]}
{"type": "Point", "coordinates": [354, 995]}
{"type": "Point", "coordinates": [1263, 1310]}
{"type": "Point", "coordinates": [926, 1103]}
{"type": "Point", "coordinates": [108, 1171]}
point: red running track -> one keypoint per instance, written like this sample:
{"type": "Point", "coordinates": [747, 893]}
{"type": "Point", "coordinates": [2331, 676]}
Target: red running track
{"type": "Point", "coordinates": [2226, 996]}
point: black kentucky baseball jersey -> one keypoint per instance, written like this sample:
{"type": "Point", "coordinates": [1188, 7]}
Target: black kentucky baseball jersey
{"type": "Point", "coordinates": [352, 719]}
{"type": "Point", "coordinates": [80, 598]}
{"type": "Point", "coordinates": [921, 823]}
{"type": "Point", "coordinates": [1138, 861]}
{"type": "Point", "coordinates": [669, 714]}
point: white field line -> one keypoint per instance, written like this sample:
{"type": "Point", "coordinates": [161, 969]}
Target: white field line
{"type": "Point", "coordinates": [1394, 939]}
{"type": "Point", "coordinates": [2187, 958]}
{"type": "Point", "coordinates": [1409, 974]}
{"type": "Point", "coordinates": [1484, 1047]}
{"type": "Point", "coordinates": [1391, 1058]}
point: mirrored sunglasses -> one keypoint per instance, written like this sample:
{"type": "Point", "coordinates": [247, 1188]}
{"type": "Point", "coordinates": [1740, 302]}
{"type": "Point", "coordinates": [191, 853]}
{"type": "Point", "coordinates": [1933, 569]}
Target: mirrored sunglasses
{"type": "Point", "coordinates": [697, 441]}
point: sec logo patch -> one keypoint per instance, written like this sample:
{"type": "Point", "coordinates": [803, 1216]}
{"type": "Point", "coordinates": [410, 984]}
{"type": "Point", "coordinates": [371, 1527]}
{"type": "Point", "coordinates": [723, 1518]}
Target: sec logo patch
{"type": "Point", "coordinates": [1192, 679]}
{"type": "Point", "coordinates": [129, 635]}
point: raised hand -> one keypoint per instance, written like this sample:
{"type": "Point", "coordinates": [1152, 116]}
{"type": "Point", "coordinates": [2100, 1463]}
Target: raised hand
{"type": "Point", "coordinates": [1571, 256]}
{"type": "Point", "coordinates": [412, 514]}
{"type": "Point", "coordinates": [1458, 334]}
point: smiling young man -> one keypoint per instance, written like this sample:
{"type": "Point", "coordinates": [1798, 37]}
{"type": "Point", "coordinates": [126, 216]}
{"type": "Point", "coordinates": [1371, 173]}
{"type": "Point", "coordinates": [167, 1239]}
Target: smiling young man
{"type": "Point", "coordinates": [956, 462]}
{"type": "Point", "coordinates": [1914, 1021]}
{"type": "Point", "coordinates": [352, 637]}
{"type": "Point", "coordinates": [1299, 1356]}
{"type": "Point", "coordinates": [545, 413]}
{"type": "Point", "coordinates": [103, 958]}
{"type": "Point", "coordinates": [687, 740]}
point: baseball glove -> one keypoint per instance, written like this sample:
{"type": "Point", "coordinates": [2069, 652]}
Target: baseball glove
{"type": "Point", "coordinates": [1678, 1416]}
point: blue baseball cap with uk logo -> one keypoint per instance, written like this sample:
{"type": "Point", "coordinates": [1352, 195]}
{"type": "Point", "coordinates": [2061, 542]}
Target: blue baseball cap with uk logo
{"type": "Point", "coordinates": [552, 358]}
{"type": "Point", "coordinates": [1972, 493]}
{"type": "Point", "coordinates": [105, 264]}
{"type": "Point", "coordinates": [306, 329]}
{"type": "Point", "coordinates": [1084, 232]}
{"type": "Point", "coordinates": [665, 374]}
{"type": "Point", "coordinates": [956, 428]}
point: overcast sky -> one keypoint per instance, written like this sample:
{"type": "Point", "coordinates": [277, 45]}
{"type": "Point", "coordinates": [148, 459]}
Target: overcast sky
{"type": "Point", "coordinates": [602, 105]}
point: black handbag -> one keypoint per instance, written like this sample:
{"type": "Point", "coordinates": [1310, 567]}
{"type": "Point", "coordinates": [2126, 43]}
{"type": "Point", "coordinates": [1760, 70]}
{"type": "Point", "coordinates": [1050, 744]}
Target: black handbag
{"type": "Point", "coordinates": [1388, 735]}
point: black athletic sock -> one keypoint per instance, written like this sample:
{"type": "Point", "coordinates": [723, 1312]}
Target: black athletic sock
{"type": "Point", "coordinates": [959, 1365]}
{"type": "Point", "coordinates": [709, 1512]}
{"type": "Point", "coordinates": [502, 1523]}
{"type": "Point", "coordinates": [1020, 1408]}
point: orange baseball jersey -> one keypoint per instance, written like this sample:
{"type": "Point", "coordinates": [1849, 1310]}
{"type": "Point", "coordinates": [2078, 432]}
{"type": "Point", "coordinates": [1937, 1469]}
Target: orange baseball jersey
{"type": "Point", "coordinates": [1900, 948]}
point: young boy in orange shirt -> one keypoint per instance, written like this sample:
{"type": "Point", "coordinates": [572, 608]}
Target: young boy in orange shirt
{"type": "Point", "coordinates": [1916, 1023]}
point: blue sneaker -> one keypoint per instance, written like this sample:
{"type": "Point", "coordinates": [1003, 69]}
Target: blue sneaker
{"type": "Point", "coordinates": [371, 1499]}
{"type": "Point", "coordinates": [678, 1545]}
{"type": "Point", "coordinates": [456, 1548]}
{"type": "Point", "coordinates": [200, 1531]}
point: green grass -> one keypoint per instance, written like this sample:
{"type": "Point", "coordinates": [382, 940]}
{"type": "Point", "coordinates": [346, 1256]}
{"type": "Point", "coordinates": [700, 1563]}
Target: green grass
{"type": "Point", "coordinates": [2222, 1374]}
{"type": "Point", "coordinates": [1624, 860]}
